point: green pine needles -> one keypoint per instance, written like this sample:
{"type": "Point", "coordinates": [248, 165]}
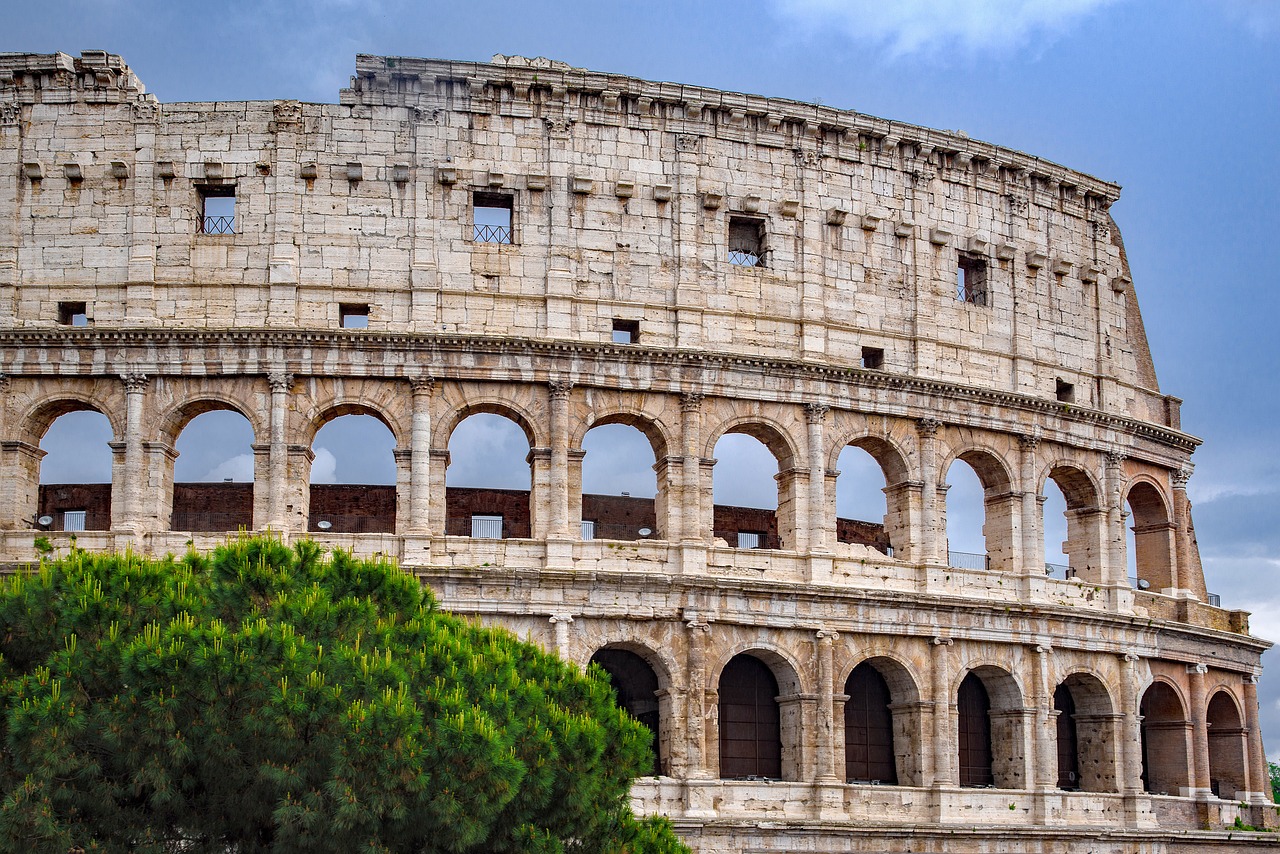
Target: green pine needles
{"type": "Point", "coordinates": [274, 699]}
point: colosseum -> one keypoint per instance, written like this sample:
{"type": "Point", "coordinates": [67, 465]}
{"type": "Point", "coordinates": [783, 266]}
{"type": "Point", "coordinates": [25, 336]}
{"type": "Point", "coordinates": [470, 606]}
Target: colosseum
{"type": "Point", "coordinates": [570, 249]}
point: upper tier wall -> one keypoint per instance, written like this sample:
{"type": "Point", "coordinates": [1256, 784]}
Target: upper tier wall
{"type": "Point", "coordinates": [622, 193]}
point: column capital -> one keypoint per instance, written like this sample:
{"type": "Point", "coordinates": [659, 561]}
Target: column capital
{"type": "Point", "coordinates": [826, 636]}
{"type": "Point", "coordinates": [134, 383]}
{"type": "Point", "coordinates": [4, 383]}
{"type": "Point", "coordinates": [1043, 649]}
{"type": "Point", "coordinates": [423, 385]}
{"type": "Point", "coordinates": [928, 426]}
{"type": "Point", "coordinates": [691, 402]}
{"type": "Point", "coordinates": [815, 412]}
{"type": "Point", "coordinates": [280, 381]}
{"type": "Point", "coordinates": [560, 389]}
{"type": "Point", "coordinates": [941, 641]}
{"type": "Point", "coordinates": [1252, 678]}
{"type": "Point", "coordinates": [1130, 657]}
{"type": "Point", "coordinates": [1029, 441]}
{"type": "Point", "coordinates": [1113, 458]}
{"type": "Point", "coordinates": [1198, 669]}
{"type": "Point", "coordinates": [1181, 475]}
{"type": "Point", "coordinates": [560, 618]}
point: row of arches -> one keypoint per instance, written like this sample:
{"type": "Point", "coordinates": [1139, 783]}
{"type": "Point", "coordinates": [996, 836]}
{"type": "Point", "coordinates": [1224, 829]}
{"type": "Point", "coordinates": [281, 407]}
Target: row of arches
{"type": "Point", "coordinates": [880, 721]}
{"type": "Point", "coordinates": [985, 495]}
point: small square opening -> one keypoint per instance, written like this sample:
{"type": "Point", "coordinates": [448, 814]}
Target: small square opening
{"type": "Point", "coordinates": [873, 358]}
{"type": "Point", "coordinates": [217, 208]}
{"type": "Point", "coordinates": [746, 241]}
{"type": "Point", "coordinates": [1065, 391]}
{"type": "Point", "coordinates": [353, 315]}
{"type": "Point", "coordinates": [491, 217]}
{"type": "Point", "coordinates": [971, 280]}
{"type": "Point", "coordinates": [73, 314]}
{"type": "Point", "coordinates": [486, 526]}
{"type": "Point", "coordinates": [626, 331]}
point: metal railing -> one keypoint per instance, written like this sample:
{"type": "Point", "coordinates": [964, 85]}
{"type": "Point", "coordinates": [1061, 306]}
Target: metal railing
{"type": "Point", "coordinates": [1215, 600]}
{"type": "Point", "coordinates": [210, 521]}
{"type": "Point", "coordinates": [492, 233]}
{"type": "Point", "coordinates": [217, 225]}
{"type": "Point", "coordinates": [968, 560]}
{"type": "Point", "coordinates": [486, 527]}
{"type": "Point", "coordinates": [745, 258]}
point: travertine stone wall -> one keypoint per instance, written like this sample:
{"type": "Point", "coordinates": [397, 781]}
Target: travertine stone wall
{"type": "Point", "coordinates": [852, 332]}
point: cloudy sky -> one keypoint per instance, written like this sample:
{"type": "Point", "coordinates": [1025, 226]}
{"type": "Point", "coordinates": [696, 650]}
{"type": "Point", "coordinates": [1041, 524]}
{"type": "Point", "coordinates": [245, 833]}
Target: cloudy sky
{"type": "Point", "coordinates": [1176, 100]}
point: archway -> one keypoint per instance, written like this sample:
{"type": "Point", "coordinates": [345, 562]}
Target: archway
{"type": "Point", "coordinates": [1074, 524]}
{"type": "Point", "coordinates": [1228, 747]}
{"type": "Point", "coordinates": [869, 728]}
{"type": "Point", "coordinates": [76, 473]}
{"type": "Point", "coordinates": [1086, 735]}
{"type": "Point", "coordinates": [750, 720]}
{"type": "Point", "coordinates": [213, 476]}
{"type": "Point", "coordinates": [353, 475]}
{"type": "Point", "coordinates": [489, 479]}
{"type": "Point", "coordinates": [973, 708]}
{"type": "Point", "coordinates": [966, 518]}
{"type": "Point", "coordinates": [635, 685]}
{"type": "Point", "coordinates": [747, 493]}
{"type": "Point", "coordinates": [1165, 731]}
{"type": "Point", "coordinates": [991, 737]}
{"type": "Point", "coordinates": [1152, 541]}
{"type": "Point", "coordinates": [862, 511]}
{"type": "Point", "coordinates": [619, 484]}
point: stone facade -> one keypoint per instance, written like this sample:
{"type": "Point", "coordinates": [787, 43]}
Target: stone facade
{"type": "Point", "coordinates": [693, 263]}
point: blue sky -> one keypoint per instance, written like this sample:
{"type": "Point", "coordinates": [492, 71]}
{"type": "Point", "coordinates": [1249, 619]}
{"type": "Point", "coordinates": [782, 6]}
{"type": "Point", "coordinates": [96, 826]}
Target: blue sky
{"type": "Point", "coordinates": [1178, 101]}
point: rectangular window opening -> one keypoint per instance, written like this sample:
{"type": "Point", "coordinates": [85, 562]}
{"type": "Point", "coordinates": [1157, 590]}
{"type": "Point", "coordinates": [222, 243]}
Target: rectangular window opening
{"type": "Point", "coordinates": [491, 217]}
{"type": "Point", "coordinates": [217, 208]}
{"type": "Point", "coordinates": [486, 526]}
{"type": "Point", "coordinates": [971, 280]}
{"type": "Point", "coordinates": [873, 358]}
{"type": "Point", "coordinates": [588, 529]}
{"type": "Point", "coordinates": [73, 314]}
{"type": "Point", "coordinates": [750, 540]}
{"type": "Point", "coordinates": [73, 520]}
{"type": "Point", "coordinates": [1065, 391]}
{"type": "Point", "coordinates": [353, 315]}
{"type": "Point", "coordinates": [746, 242]}
{"type": "Point", "coordinates": [626, 331]}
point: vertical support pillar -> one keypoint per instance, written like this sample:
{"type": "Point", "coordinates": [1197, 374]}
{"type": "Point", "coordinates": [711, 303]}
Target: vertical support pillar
{"type": "Point", "coordinates": [280, 383]}
{"type": "Point", "coordinates": [1190, 576]}
{"type": "Point", "coordinates": [420, 520]}
{"type": "Point", "coordinates": [559, 475]}
{"type": "Point", "coordinates": [1259, 773]}
{"type": "Point", "coordinates": [1129, 751]}
{"type": "Point", "coordinates": [1114, 571]}
{"type": "Point", "coordinates": [437, 496]}
{"type": "Point", "coordinates": [135, 387]}
{"type": "Point", "coordinates": [944, 771]}
{"type": "Point", "coordinates": [932, 540]}
{"type": "Point", "coordinates": [695, 529]}
{"type": "Point", "coordinates": [1032, 517]}
{"type": "Point", "coordinates": [825, 766]}
{"type": "Point", "coordinates": [821, 518]}
{"type": "Point", "coordinates": [560, 634]}
{"type": "Point", "coordinates": [1044, 767]}
{"type": "Point", "coordinates": [696, 738]}
{"type": "Point", "coordinates": [1199, 731]}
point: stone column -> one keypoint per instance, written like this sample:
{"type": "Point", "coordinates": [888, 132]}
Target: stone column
{"type": "Point", "coordinates": [1189, 575]}
{"type": "Point", "coordinates": [944, 744]}
{"type": "Point", "coordinates": [135, 388]}
{"type": "Point", "coordinates": [1032, 515]}
{"type": "Point", "coordinates": [1044, 767]}
{"type": "Point", "coordinates": [822, 518]}
{"type": "Point", "coordinates": [1199, 731]}
{"type": "Point", "coordinates": [1259, 773]}
{"type": "Point", "coordinates": [560, 628]}
{"type": "Point", "coordinates": [558, 520]}
{"type": "Point", "coordinates": [932, 540]}
{"type": "Point", "coordinates": [420, 520]}
{"type": "Point", "coordinates": [1130, 748]}
{"type": "Point", "coordinates": [1114, 570]}
{"type": "Point", "coordinates": [695, 529]}
{"type": "Point", "coordinates": [280, 383]}
{"type": "Point", "coordinates": [437, 490]}
{"type": "Point", "coordinates": [695, 708]}
{"type": "Point", "coordinates": [825, 768]}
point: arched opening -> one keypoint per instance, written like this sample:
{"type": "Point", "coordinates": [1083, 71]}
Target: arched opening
{"type": "Point", "coordinates": [868, 728]}
{"type": "Point", "coordinates": [750, 720]}
{"type": "Point", "coordinates": [635, 686]}
{"type": "Point", "coordinates": [75, 473]}
{"type": "Point", "coordinates": [488, 479]}
{"type": "Point", "coordinates": [1153, 538]}
{"type": "Point", "coordinates": [1074, 526]}
{"type": "Point", "coordinates": [619, 484]}
{"type": "Point", "coordinates": [973, 707]}
{"type": "Point", "coordinates": [748, 494]}
{"type": "Point", "coordinates": [1086, 735]}
{"type": "Point", "coordinates": [966, 518]}
{"type": "Point", "coordinates": [862, 512]}
{"type": "Point", "coordinates": [213, 474]}
{"type": "Point", "coordinates": [353, 476]}
{"type": "Point", "coordinates": [1165, 731]}
{"type": "Point", "coordinates": [1228, 747]}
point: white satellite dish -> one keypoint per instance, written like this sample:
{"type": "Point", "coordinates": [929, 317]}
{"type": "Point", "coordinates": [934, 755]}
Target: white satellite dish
{"type": "Point", "coordinates": [324, 524]}
{"type": "Point", "coordinates": [644, 532]}
{"type": "Point", "coordinates": [45, 521]}
{"type": "Point", "coordinates": [1143, 584]}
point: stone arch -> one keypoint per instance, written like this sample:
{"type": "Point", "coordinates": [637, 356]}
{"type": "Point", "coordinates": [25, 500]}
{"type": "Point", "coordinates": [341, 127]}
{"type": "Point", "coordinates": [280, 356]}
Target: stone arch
{"type": "Point", "coordinates": [901, 496]}
{"type": "Point", "coordinates": [1166, 734]}
{"type": "Point", "coordinates": [786, 518]}
{"type": "Point", "coordinates": [642, 691]}
{"type": "Point", "coordinates": [658, 433]}
{"type": "Point", "coordinates": [320, 415]}
{"type": "Point", "coordinates": [506, 509]}
{"type": "Point", "coordinates": [787, 704]}
{"type": "Point", "coordinates": [1153, 534]}
{"type": "Point", "coordinates": [359, 508]}
{"type": "Point", "coordinates": [1086, 518]}
{"type": "Point", "coordinates": [190, 507]}
{"type": "Point", "coordinates": [992, 728]}
{"type": "Point", "coordinates": [92, 506]}
{"type": "Point", "coordinates": [659, 517]}
{"type": "Point", "coordinates": [488, 405]}
{"type": "Point", "coordinates": [1001, 507]}
{"type": "Point", "coordinates": [36, 420]}
{"type": "Point", "coordinates": [1228, 745]}
{"type": "Point", "coordinates": [900, 718]}
{"type": "Point", "coordinates": [1087, 730]}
